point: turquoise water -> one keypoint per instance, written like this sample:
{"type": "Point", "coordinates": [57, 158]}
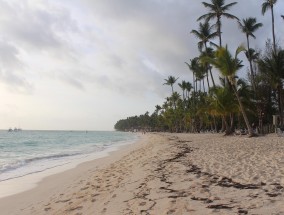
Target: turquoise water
{"type": "Point", "coordinates": [27, 152]}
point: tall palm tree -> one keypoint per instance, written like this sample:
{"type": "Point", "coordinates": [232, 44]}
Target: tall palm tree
{"type": "Point", "coordinates": [248, 26]}
{"type": "Point", "coordinates": [183, 86]}
{"type": "Point", "coordinates": [266, 5]}
{"type": "Point", "coordinates": [209, 52]}
{"type": "Point", "coordinates": [205, 35]}
{"type": "Point", "coordinates": [217, 9]}
{"type": "Point", "coordinates": [200, 75]}
{"type": "Point", "coordinates": [252, 54]}
{"type": "Point", "coordinates": [228, 66]}
{"type": "Point", "coordinates": [171, 81]}
{"type": "Point", "coordinates": [188, 89]}
{"type": "Point", "coordinates": [193, 66]}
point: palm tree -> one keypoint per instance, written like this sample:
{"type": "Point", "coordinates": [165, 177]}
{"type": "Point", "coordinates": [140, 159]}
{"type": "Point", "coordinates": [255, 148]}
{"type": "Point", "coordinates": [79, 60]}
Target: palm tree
{"type": "Point", "coordinates": [204, 34]}
{"type": "Point", "coordinates": [158, 108]}
{"type": "Point", "coordinates": [228, 67]}
{"type": "Point", "coordinates": [252, 55]}
{"type": "Point", "coordinates": [188, 89]}
{"type": "Point", "coordinates": [272, 67]}
{"type": "Point", "coordinates": [217, 9]}
{"type": "Point", "coordinates": [171, 81]}
{"type": "Point", "coordinates": [208, 53]}
{"type": "Point", "coordinates": [193, 66]}
{"type": "Point", "coordinates": [266, 5]}
{"type": "Point", "coordinates": [183, 86]}
{"type": "Point", "coordinates": [248, 27]}
{"type": "Point", "coordinates": [222, 103]}
{"type": "Point", "coordinates": [200, 75]}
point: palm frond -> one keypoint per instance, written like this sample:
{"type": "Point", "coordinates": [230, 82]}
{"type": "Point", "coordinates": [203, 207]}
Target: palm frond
{"type": "Point", "coordinates": [196, 33]}
{"type": "Point", "coordinates": [227, 7]}
{"type": "Point", "coordinates": [230, 16]}
{"type": "Point", "coordinates": [265, 7]}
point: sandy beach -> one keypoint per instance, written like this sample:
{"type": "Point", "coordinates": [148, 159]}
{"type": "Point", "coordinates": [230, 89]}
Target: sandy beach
{"type": "Point", "coordinates": [167, 174]}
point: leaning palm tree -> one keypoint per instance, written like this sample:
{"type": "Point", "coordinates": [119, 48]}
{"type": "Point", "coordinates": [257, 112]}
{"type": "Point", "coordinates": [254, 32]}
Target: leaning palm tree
{"type": "Point", "coordinates": [248, 27]}
{"type": "Point", "coordinates": [228, 66]}
{"type": "Point", "coordinates": [266, 5]}
{"type": "Point", "coordinates": [171, 81]}
{"type": "Point", "coordinates": [217, 9]}
{"type": "Point", "coordinates": [205, 35]}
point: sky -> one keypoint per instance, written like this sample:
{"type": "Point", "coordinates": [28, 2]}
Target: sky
{"type": "Point", "coordinates": [85, 64]}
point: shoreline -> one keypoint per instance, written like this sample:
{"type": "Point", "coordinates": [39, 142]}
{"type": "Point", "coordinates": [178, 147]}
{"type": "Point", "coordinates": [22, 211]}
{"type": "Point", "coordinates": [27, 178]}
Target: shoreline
{"type": "Point", "coordinates": [17, 185]}
{"type": "Point", "coordinates": [167, 174]}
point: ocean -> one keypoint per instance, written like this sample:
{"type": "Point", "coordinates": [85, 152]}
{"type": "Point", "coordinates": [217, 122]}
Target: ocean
{"type": "Point", "coordinates": [28, 152]}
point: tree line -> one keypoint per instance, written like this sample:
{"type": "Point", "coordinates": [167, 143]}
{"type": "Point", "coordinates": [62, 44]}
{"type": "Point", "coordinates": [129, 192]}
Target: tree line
{"type": "Point", "coordinates": [231, 102]}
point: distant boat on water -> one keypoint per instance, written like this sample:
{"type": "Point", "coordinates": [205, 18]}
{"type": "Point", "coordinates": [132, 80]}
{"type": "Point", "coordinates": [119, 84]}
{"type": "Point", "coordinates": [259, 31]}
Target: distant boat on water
{"type": "Point", "coordinates": [14, 130]}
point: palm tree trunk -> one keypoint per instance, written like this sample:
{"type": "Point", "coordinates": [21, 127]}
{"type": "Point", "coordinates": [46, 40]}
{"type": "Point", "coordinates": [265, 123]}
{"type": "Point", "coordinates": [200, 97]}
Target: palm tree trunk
{"type": "Point", "coordinates": [210, 69]}
{"type": "Point", "coordinates": [250, 64]}
{"type": "Point", "coordinates": [228, 131]}
{"type": "Point", "coordinates": [273, 32]}
{"type": "Point", "coordinates": [250, 131]}
{"type": "Point", "coordinates": [231, 121]}
{"type": "Point", "coordinates": [207, 80]}
{"type": "Point", "coordinates": [215, 124]}
{"type": "Point", "coordinates": [279, 90]}
{"type": "Point", "coordinates": [219, 30]}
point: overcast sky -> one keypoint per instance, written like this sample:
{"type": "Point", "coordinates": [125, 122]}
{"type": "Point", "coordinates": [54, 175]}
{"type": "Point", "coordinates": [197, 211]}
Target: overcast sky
{"type": "Point", "coordinates": [84, 64]}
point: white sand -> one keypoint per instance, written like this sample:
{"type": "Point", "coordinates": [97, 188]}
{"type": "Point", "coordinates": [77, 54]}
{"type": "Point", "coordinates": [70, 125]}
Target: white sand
{"type": "Point", "coordinates": [167, 174]}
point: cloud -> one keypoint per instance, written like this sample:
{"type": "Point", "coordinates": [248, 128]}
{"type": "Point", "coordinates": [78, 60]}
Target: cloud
{"type": "Point", "coordinates": [33, 30]}
{"type": "Point", "coordinates": [120, 48]}
{"type": "Point", "coordinates": [139, 30]}
{"type": "Point", "coordinates": [12, 69]}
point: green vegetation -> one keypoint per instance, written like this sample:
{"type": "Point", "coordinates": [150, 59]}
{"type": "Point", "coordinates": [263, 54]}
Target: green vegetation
{"type": "Point", "coordinates": [232, 102]}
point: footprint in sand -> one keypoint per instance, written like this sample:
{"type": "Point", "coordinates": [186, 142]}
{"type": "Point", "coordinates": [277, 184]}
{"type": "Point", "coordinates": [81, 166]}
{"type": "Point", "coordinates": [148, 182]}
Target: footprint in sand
{"type": "Point", "coordinates": [63, 201]}
{"type": "Point", "coordinates": [47, 209]}
{"type": "Point", "coordinates": [84, 188]}
{"type": "Point", "coordinates": [170, 212]}
{"type": "Point", "coordinates": [75, 208]}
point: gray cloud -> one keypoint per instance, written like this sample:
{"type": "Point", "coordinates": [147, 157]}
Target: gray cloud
{"type": "Point", "coordinates": [34, 28]}
{"type": "Point", "coordinates": [38, 27]}
{"type": "Point", "coordinates": [160, 30]}
{"type": "Point", "coordinates": [12, 71]}
{"type": "Point", "coordinates": [124, 46]}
